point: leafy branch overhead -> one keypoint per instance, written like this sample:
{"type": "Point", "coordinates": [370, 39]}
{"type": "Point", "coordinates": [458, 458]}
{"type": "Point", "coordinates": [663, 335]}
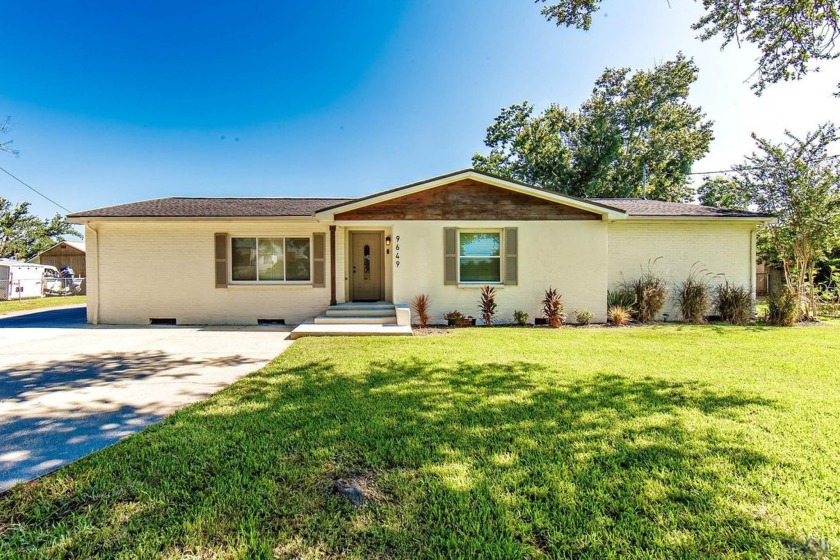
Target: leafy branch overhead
{"type": "Point", "coordinates": [792, 36]}
{"type": "Point", "coordinates": [6, 146]}
{"type": "Point", "coordinates": [634, 126]}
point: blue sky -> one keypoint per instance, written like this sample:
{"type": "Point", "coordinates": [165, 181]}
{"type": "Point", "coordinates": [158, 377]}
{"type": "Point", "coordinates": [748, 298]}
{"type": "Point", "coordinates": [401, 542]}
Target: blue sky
{"type": "Point", "coordinates": [113, 102]}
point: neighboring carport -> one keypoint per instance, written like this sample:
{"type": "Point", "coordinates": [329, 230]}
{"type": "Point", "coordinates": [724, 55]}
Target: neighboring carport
{"type": "Point", "coordinates": [68, 388]}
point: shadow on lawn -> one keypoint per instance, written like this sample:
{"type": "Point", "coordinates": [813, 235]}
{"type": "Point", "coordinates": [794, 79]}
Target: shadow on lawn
{"type": "Point", "coordinates": [502, 460]}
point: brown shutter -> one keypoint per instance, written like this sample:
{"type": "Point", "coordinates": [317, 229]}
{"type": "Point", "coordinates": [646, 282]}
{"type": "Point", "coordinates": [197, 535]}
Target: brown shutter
{"type": "Point", "coordinates": [511, 252]}
{"type": "Point", "coordinates": [450, 256]}
{"type": "Point", "coordinates": [221, 260]}
{"type": "Point", "coordinates": [318, 250]}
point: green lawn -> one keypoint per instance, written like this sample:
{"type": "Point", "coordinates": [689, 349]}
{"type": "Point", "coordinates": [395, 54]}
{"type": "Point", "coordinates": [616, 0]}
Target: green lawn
{"type": "Point", "coordinates": [38, 303]}
{"type": "Point", "coordinates": [650, 442]}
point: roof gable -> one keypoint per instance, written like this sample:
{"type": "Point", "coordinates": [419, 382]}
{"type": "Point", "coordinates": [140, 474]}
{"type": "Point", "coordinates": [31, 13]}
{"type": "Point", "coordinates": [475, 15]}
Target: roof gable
{"type": "Point", "coordinates": [469, 195]}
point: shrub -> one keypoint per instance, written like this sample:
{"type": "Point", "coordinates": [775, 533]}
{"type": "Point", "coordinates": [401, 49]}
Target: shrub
{"type": "Point", "coordinates": [454, 318]}
{"type": "Point", "coordinates": [553, 308]}
{"type": "Point", "coordinates": [520, 317]}
{"type": "Point", "coordinates": [420, 306]}
{"type": "Point", "coordinates": [583, 316]}
{"type": "Point", "coordinates": [618, 315]}
{"type": "Point", "coordinates": [734, 303]}
{"type": "Point", "coordinates": [693, 296]}
{"type": "Point", "coordinates": [488, 304]}
{"type": "Point", "coordinates": [782, 308]}
{"type": "Point", "coordinates": [622, 297]}
{"type": "Point", "coordinates": [650, 290]}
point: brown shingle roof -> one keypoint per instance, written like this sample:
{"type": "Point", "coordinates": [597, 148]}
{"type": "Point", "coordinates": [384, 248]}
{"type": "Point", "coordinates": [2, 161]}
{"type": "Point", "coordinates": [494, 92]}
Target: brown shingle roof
{"type": "Point", "coordinates": [188, 207]}
{"type": "Point", "coordinates": [658, 208]}
{"type": "Point", "coordinates": [197, 207]}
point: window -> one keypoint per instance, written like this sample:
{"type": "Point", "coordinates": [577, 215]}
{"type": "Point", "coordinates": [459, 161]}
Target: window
{"type": "Point", "coordinates": [270, 259]}
{"type": "Point", "coordinates": [479, 256]}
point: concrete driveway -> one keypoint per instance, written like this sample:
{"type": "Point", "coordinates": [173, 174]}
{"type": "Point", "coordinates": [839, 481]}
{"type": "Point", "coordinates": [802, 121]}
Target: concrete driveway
{"type": "Point", "coordinates": [68, 388]}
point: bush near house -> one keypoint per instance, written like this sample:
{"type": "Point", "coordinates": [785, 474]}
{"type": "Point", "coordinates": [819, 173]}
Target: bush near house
{"type": "Point", "coordinates": [693, 296]}
{"type": "Point", "coordinates": [553, 308]}
{"type": "Point", "coordinates": [487, 305]}
{"type": "Point", "coordinates": [420, 306]}
{"type": "Point", "coordinates": [618, 315]}
{"type": "Point", "coordinates": [520, 317]}
{"type": "Point", "coordinates": [734, 303]}
{"type": "Point", "coordinates": [651, 291]}
{"type": "Point", "coordinates": [582, 316]}
{"type": "Point", "coordinates": [783, 308]}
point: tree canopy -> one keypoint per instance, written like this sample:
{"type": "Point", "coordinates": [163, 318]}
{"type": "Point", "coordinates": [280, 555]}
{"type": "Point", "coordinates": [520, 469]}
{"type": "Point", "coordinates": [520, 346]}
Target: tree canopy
{"type": "Point", "coordinates": [723, 192]}
{"type": "Point", "coordinates": [793, 36]}
{"type": "Point", "coordinates": [24, 235]}
{"type": "Point", "coordinates": [634, 125]}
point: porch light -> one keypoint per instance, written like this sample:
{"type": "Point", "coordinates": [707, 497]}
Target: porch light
{"type": "Point", "coordinates": [388, 241]}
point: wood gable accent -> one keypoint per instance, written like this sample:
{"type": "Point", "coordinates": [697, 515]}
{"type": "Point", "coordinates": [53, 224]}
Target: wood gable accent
{"type": "Point", "coordinates": [467, 199]}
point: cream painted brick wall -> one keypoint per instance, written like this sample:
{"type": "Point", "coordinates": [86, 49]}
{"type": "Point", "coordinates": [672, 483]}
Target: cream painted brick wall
{"type": "Point", "coordinates": [723, 248]}
{"type": "Point", "coordinates": [568, 255]}
{"type": "Point", "coordinates": [166, 269]}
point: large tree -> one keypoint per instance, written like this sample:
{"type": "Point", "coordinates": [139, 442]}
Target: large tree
{"type": "Point", "coordinates": [797, 180]}
{"type": "Point", "coordinates": [793, 36]}
{"type": "Point", "coordinates": [634, 128]}
{"type": "Point", "coordinates": [24, 235]}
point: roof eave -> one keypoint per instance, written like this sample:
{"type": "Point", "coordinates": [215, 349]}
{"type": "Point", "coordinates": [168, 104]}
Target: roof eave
{"type": "Point", "coordinates": [82, 220]}
{"type": "Point", "coordinates": [693, 217]}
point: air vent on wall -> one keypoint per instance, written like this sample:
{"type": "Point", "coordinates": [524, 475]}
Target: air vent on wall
{"type": "Point", "coordinates": [162, 321]}
{"type": "Point", "coordinates": [271, 321]}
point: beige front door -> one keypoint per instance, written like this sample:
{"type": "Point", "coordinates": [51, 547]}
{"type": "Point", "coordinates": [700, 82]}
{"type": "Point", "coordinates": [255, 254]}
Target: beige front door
{"type": "Point", "coordinates": [366, 266]}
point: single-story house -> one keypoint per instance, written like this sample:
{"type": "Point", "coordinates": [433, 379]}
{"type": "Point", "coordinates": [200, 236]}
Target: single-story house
{"type": "Point", "coordinates": [243, 260]}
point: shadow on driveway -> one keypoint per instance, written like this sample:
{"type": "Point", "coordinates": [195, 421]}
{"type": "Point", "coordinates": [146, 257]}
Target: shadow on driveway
{"type": "Point", "coordinates": [66, 317]}
{"type": "Point", "coordinates": [68, 388]}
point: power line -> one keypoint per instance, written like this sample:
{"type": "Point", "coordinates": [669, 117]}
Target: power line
{"type": "Point", "coordinates": [36, 191]}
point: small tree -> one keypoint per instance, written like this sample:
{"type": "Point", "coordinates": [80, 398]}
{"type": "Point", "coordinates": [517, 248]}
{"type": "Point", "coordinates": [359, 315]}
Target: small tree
{"type": "Point", "coordinates": [798, 181]}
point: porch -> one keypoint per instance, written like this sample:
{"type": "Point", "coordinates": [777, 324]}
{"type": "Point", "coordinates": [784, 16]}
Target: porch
{"type": "Point", "coordinates": [358, 319]}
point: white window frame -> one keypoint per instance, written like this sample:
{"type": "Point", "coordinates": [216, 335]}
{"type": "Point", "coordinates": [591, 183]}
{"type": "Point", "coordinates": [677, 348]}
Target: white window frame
{"type": "Point", "coordinates": [259, 282]}
{"type": "Point", "coordinates": [498, 231]}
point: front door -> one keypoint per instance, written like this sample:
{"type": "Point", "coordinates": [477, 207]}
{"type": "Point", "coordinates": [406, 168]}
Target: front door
{"type": "Point", "coordinates": [365, 266]}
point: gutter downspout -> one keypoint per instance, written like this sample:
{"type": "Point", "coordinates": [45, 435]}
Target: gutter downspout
{"type": "Point", "coordinates": [95, 320]}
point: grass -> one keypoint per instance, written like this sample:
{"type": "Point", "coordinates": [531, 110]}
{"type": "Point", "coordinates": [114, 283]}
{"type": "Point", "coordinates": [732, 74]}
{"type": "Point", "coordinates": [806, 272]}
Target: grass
{"type": "Point", "coordinates": [651, 442]}
{"type": "Point", "coordinates": [38, 303]}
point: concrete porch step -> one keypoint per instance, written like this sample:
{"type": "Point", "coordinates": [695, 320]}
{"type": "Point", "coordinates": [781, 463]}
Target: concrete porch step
{"type": "Point", "coordinates": [316, 329]}
{"type": "Point", "coordinates": [360, 312]}
{"type": "Point", "coordinates": [379, 319]}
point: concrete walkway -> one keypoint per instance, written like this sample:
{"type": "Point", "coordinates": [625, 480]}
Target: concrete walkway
{"type": "Point", "coordinates": [68, 388]}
